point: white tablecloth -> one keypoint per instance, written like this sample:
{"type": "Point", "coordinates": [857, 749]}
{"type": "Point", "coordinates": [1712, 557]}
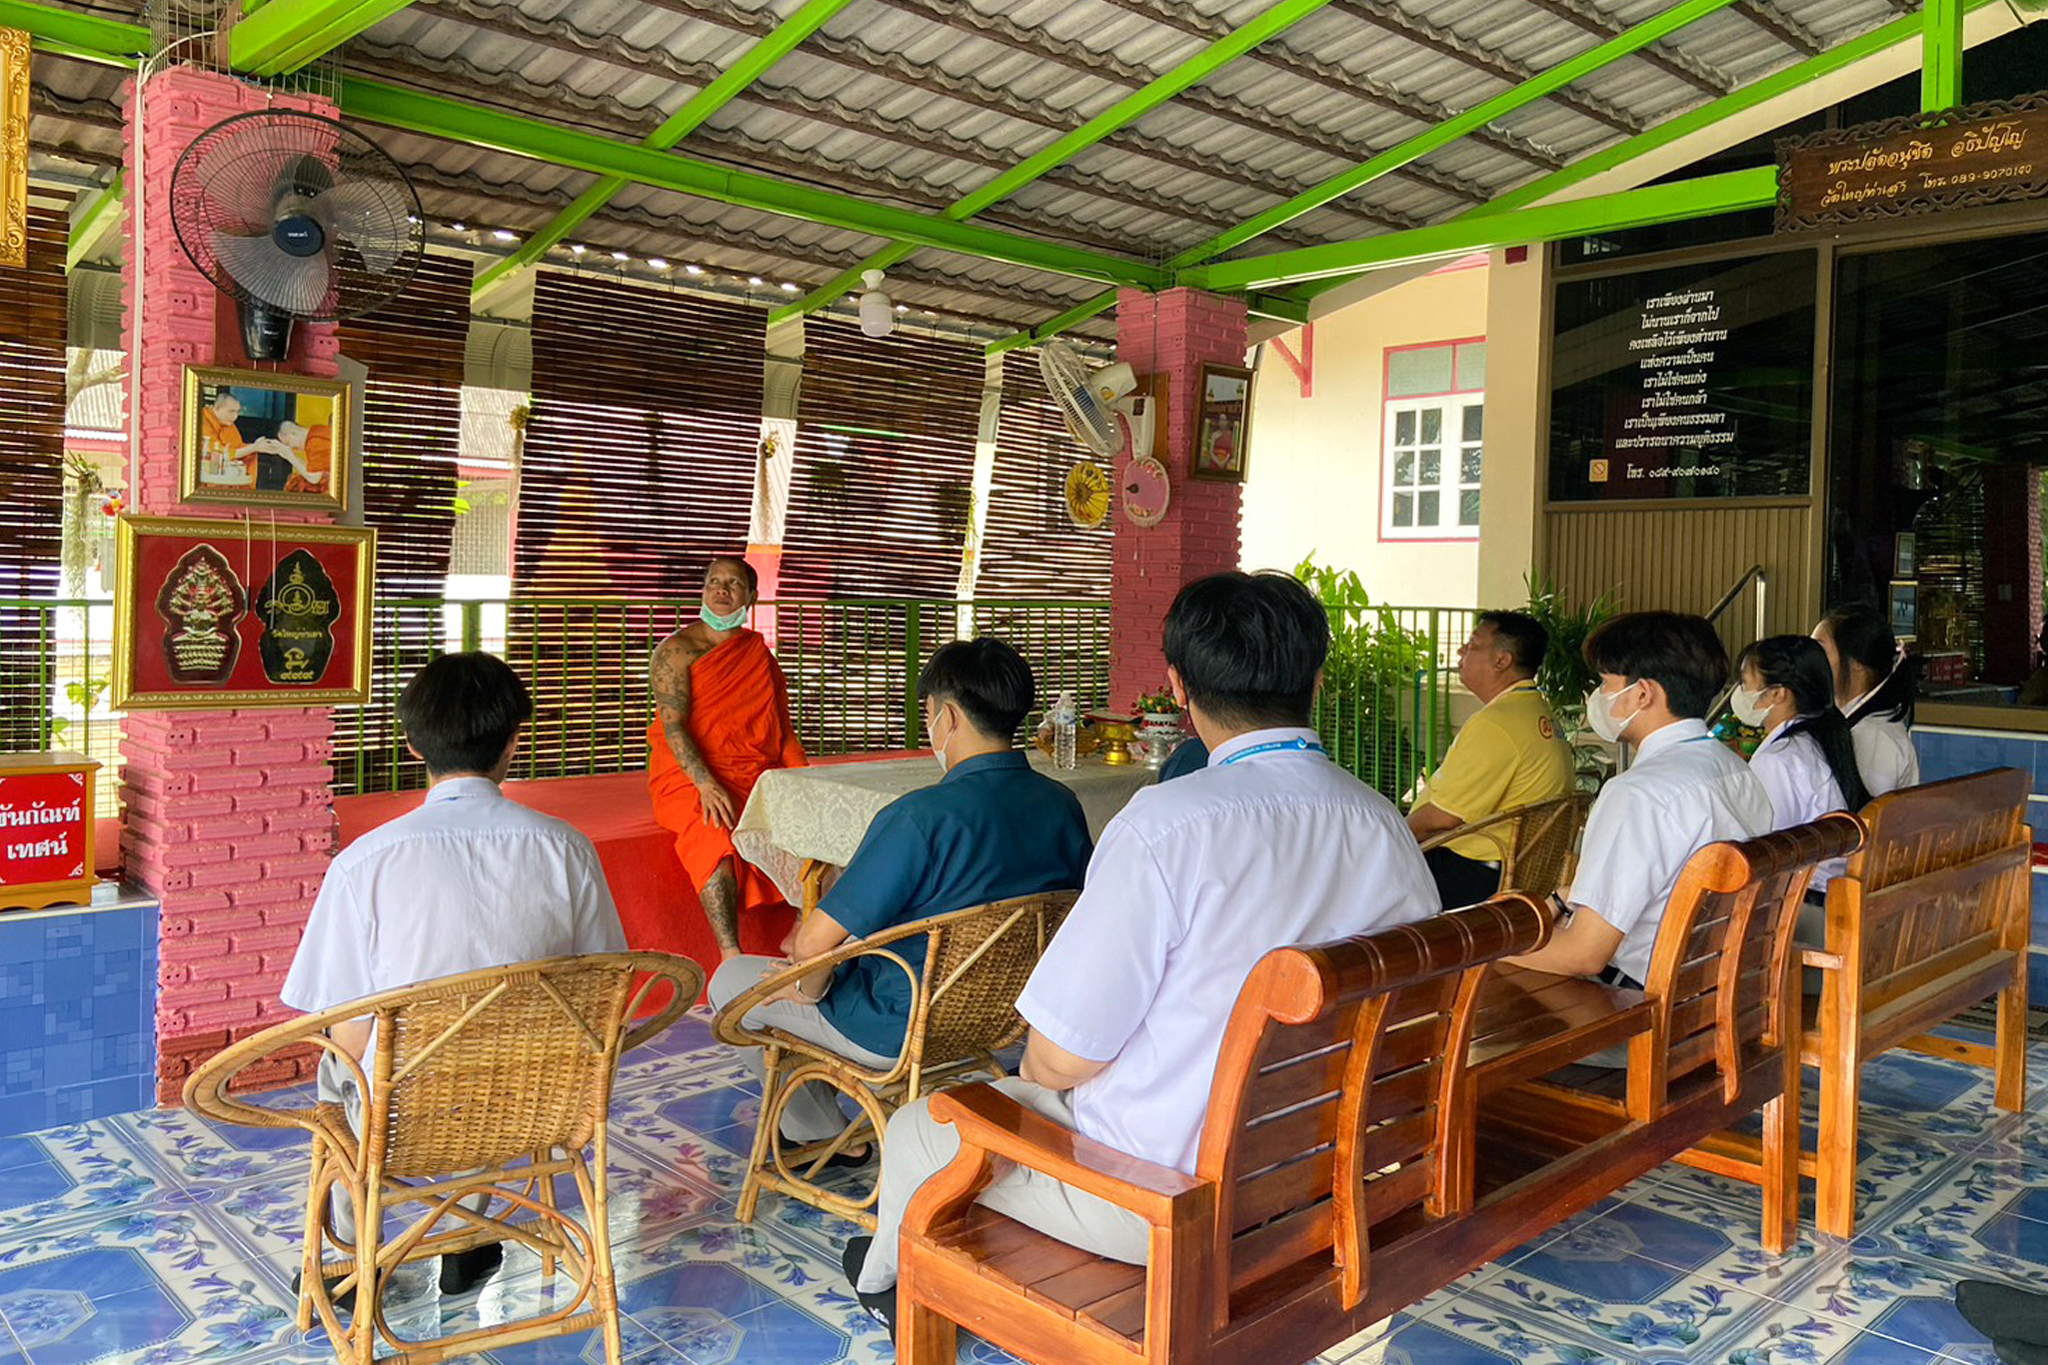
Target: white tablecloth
{"type": "Point", "coordinates": [823, 812]}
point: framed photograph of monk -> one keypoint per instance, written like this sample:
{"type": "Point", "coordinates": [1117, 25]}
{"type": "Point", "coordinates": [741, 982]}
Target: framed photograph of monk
{"type": "Point", "coordinates": [1223, 424]}
{"type": "Point", "coordinates": [262, 439]}
{"type": "Point", "coordinates": [217, 613]}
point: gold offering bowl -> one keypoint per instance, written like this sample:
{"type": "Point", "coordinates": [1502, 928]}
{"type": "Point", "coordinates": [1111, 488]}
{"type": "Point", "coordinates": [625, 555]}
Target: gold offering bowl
{"type": "Point", "coordinates": [1117, 739]}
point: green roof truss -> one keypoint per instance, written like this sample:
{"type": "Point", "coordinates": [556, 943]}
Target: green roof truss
{"type": "Point", "coordinates": [281, 36]}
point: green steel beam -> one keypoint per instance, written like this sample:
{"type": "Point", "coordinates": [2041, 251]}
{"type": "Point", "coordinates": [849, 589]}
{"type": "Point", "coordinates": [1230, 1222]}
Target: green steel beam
{"type": "Point", "coordinates": [1124, 112]}
{"type": "Point", "coordinates": [1053, 326]}
{"type": "Point", "coordinates": [435, 116]}
{"type": "Point", "coordinates": [1451, 129]}
{"type": "Point", "coordinates": [1941, 55]}
{"type": "Point", "coordinates": [73, 34]}
{"type": "Point", "coordinates": [281, 36]}
{"type": "Point", "coordinates": [1697, 198]}
{"type": "Point", "coordinates": [752, 65]}
{"type": "Point", "coordinates": [96, 221]}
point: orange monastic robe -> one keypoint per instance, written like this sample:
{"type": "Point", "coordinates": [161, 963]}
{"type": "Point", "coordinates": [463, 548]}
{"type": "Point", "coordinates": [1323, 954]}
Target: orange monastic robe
{"type": "Point", "coordinates": [220, 438]}
{"type": "Point", "coordinates": [319, 457]}
{"type": "Point", "coordinates": [739, 718]}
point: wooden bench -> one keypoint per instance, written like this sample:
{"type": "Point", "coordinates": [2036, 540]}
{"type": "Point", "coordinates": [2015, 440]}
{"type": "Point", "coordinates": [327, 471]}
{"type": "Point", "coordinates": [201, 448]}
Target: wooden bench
{"type": "Point", "coordinates": [1932, 917]}
{"type": "Point", "coordinates": [1723, 1032]}
{"type": "Point", "coordinates": [1340, 1176]}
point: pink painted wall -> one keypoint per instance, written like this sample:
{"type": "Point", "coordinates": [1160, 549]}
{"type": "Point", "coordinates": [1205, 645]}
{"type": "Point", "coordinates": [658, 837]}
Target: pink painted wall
{"type": "Point", "coordinates": [227, 815]}
{"type": "Point", "coordinates": [1172, 333]}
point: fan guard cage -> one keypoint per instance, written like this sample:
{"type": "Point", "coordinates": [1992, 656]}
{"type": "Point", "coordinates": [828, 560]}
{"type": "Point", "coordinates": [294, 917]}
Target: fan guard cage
{"type": "Point", "coordinates": [231, 180]}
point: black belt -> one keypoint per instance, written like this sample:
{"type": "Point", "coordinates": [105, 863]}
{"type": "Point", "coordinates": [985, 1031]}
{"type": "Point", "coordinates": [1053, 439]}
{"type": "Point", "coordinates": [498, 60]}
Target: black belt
{"type": "Point", "coordinates": [1615, 976]}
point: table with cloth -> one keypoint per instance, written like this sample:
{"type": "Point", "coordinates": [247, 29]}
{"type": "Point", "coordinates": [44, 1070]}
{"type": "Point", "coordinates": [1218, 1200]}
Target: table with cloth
{"type": "Point", "coordinates": [803, 824]}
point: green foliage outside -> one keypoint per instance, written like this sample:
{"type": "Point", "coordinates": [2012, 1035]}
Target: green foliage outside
{"type": "Point", "coordinates": [1373, 709]}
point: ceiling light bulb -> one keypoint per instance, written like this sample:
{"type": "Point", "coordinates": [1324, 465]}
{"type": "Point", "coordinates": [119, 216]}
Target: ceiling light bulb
{"type": "Point", "coordinates": [577, 249]}
{"type": "Point", "coordinates": [693, 270]}
{"type": "Point", "coordinates": [657, 262]}
{"type": "Point", "coordinates": [620, 256]}
{"type": "Point", "coordinates": [875, 318]}
{"type": "Point", "coordinates": [504, 236]}
{"type": "Point", "coordinates": [789, 288]}
{"type": "Point", "coordinates": [457, 227]}
{"type": "Point", "coordinates": [756, 280]}
{"type": "Point", "coordinates": [902, 308]}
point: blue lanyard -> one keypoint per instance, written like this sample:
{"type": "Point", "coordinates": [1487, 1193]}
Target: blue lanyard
{"type": "Point", "coordinates": [1303, 746]}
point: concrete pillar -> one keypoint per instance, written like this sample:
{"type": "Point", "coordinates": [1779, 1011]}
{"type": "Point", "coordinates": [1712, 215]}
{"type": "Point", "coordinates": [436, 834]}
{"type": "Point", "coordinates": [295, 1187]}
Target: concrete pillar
{"type": "Point", "coordinates": [1173, 333]}
{"type": "Point", "coordinates": [227, 817]}
{"type": "Point", "coordinates": [1515, 480]}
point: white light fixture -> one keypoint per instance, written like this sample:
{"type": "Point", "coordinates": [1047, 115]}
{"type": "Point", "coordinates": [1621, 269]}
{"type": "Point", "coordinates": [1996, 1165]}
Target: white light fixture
{"type": "Point", "coordinates": [457, 227]}
{"type": "Point", "coordinates": [657, 262]}
{"type": "Point", "coordinates": [620, 256]}
{"type": "Point", "coordinates": [875, 318]}
{"type": "Point", "coordinates": [789, 288]}
{"type": "Point", "coordinates": [503, 235]}
{"type": "Point", "coordinates": [756, 281]}
{"type": "Point", "coordinates": [577, 249]}
{"type": "Point", "coordinates": [693, 270]}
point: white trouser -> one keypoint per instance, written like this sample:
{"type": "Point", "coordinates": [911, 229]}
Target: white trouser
{"type": "Point", "coordinates": [813, 1114]}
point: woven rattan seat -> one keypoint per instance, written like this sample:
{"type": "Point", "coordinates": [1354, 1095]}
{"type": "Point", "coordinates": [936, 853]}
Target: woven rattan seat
{"type": "Point", "coordinates": [963, 1011]}
{"type": "Point", "coordinates": [1536, 843]}
{"type": "Point", "coordinates": [488, 1081]}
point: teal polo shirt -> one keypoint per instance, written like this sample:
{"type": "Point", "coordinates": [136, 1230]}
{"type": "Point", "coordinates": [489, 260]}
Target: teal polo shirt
{"type": "Point", "coordinates": [990, 829]}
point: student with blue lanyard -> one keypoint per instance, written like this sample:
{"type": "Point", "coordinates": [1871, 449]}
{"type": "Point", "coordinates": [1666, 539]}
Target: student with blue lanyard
{"type": "Point", "coordinates": [1659, 672]}
{"type": "Point", "coordinates": [1196, 879]}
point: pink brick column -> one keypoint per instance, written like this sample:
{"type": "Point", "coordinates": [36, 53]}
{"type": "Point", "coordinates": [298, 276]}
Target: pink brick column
{"type": "Point", "coordinates": [1172, 333]}
{"type": "Point", "coordinates": [227, 818]}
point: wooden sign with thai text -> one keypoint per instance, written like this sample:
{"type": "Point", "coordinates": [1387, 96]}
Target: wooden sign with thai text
{"type": "Point", "coordinates": [1923, 163]}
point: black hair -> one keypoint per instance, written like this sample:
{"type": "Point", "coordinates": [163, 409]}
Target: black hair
{"type": "Point", "coordinates": [1798, 664]}
{"type": "Point", "coordinates": [1678, 652]}
{"type": "Point", "coordinates": [461, 710]}
{"type": "Point", "coordinates": [738, 562]}
{"type": "Point", "coordinates": [1523, 635]}
{"type": "Point", "coordinates": [1248, 647]}
{"type": "Point", "coordinates": [1862, 636]}
{"type": "Point", "coordinates": [986, 678]}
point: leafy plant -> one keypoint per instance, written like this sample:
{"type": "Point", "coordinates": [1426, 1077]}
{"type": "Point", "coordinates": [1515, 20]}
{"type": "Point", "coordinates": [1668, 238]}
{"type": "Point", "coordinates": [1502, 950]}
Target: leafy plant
{"type": "Point", "coordinates": [1156, 704]}
{"type": "Point", "coordinates": [1564, 680]}
{"type": "Point", "coordinates": [1367, 711]}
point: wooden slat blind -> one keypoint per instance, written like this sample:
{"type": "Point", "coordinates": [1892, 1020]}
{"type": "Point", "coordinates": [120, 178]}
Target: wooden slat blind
{"type": "Point", "coordinates": [639, 460]}
{"type": "Point", "coordinates": [412, 438]}
{"type": "Point", "coordinates": [638, 467]}
{"type": "Point", "coordinates": [878, 508]}
{"type": "Point", "coordinates": [1030, 547]}
{"type": "Point", "coordinates": [32, 329]}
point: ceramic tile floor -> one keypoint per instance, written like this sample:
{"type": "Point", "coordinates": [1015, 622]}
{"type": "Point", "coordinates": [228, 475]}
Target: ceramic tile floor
{"type": "Point", "coordinates": [154, 1239]}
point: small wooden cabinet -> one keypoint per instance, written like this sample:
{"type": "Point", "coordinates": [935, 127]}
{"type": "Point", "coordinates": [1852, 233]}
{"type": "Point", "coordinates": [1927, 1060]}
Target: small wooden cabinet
{"type": "Point", "coordinates": [46, 829]}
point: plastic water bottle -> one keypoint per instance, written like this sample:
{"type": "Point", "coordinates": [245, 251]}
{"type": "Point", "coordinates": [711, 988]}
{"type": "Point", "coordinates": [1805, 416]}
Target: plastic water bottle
{"type": "Point", "coordinates": [1063, 720]}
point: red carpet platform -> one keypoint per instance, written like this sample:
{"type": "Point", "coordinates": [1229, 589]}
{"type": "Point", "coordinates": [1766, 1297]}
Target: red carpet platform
{"type": "Point", "coordinates": [658, 906]}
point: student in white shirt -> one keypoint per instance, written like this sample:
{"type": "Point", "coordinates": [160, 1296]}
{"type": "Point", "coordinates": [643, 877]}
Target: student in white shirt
{"type": "Point", "coordinates": [1659, 672]}
{"type": "Point", "coordinates": [1874, 682]}
{"type": "Point", "coordinates": [1807, 761]}
{"type": "Point", "coordinates": [1192, 883]}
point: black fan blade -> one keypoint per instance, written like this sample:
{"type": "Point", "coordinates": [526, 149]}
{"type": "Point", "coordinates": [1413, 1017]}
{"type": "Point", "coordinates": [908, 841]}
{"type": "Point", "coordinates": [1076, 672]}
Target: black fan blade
{"type": "Point", "coordinates": [369, 215]}
{"type": "Point", "coordinates": [297, 284]}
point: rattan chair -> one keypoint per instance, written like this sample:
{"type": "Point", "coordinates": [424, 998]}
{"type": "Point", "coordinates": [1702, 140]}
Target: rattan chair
{"type": "Point", "coordinates": [963, 1010]}
{"type": "Point", "coordinates": [1537, 843]}
{"type": "Point", "coordinates": [488, 1081]}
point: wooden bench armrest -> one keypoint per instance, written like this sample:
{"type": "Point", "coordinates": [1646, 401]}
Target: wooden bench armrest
{"type": "Point", "coordinates": [992, 1124]}
{"type": "Point", "coordinates": [1821, 958]}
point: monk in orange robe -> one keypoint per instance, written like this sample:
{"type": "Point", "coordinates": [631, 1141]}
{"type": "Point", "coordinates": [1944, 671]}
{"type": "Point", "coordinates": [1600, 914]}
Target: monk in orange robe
{"type": "Point", "coordinates": [721, 719]}
{"type": "Point", "coordinates": [314, 447]}
{"type": "Point", "coordinates": [221, 441]}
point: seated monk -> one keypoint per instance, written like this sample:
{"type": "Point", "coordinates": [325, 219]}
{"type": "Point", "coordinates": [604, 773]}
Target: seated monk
{"type": "Point", "coordinates": [1509, 755]}
{"type": "Point", "coordinates": [311, 453]}
{"type": "Point", "coordinates": [721, 710]}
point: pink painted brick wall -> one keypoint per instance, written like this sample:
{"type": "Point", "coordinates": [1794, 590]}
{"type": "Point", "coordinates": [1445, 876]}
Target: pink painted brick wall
{"type": "Point", "coordinates": [1173, 333]}
{"type": "Point", "coordinates": [227, 811]}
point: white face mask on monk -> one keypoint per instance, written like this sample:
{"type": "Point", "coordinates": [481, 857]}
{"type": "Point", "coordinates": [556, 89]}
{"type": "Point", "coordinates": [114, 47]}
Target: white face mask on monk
{"type": "Point", "coordinates": [731, 620]}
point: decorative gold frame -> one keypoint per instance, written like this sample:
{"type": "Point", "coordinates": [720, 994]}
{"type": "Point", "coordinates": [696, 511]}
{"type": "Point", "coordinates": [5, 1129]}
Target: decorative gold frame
{"type": "Point", "coordinates": [14, 59]}
{"type": "Point", "coordinates": [130, 528]}
{"type": "Point", "coordinates": [199, 378]}
{"type": "Point", "coordinates": [1196, 469]}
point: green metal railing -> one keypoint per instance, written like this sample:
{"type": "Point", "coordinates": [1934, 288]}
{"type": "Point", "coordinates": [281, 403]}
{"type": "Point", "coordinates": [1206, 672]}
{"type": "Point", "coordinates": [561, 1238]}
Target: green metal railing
{"type": "Point", "coordinates": [852, 666]}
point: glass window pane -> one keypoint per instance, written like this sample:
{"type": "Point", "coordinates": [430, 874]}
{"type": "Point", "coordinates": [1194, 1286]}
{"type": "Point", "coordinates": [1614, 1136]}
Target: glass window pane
{"type": "Point", "coordinates": [1404, 509]}
{"type": "Point", "coordinates": [1404, 428]}
{"type": "Point", "coordinates": [1426, 509]}
{"type": "Point", "coordinates": [1475, 422]}
{"type": "Point", "coordinates": [1432, 425]}
{"type": "Point", "coordinates": [1469, 470]}
{"type": "Point", "coordinates": [1404, 469]}
{"type": "Point", "coordinates": [1418, 370]}
{"type": "Point", "coordinates": [1432, 467]}
{"type": "Point", "coordinates": [1472, 366]}
{"type": "Point", "coordinates": [1468, 507]}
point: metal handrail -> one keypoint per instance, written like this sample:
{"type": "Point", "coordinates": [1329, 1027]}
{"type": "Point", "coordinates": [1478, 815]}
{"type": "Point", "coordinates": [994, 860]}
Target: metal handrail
{"type": "Point", "coordinates": [1763, 589]}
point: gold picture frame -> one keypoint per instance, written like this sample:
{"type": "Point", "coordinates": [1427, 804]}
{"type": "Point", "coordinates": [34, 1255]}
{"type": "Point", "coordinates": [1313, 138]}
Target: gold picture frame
{"type": "Point", "coordinates": [281, 616]}
{"type": "Point", "coordinates": [14, 60]}
{"type": "Point", "coordinates": [258, 438]}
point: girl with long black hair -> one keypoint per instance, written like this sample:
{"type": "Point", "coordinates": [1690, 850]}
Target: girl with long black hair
{"type": "Point", "coordinates": [1807, 761]}
{"type": "Point", "coordinates": [1873, 681]}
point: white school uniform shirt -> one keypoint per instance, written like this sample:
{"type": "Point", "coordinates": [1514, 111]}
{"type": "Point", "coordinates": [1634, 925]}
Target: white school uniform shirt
{"type": "Point", "coordinates": [471, 879]}
{"type": "Point", "coordinates": [1191, 884]}
{"type": "Point", "coordinates": [1801, 786]}
{"type": "Point", "coordinates": [1885, 755]}
{"type": "Point", "coordinates": [1684, 791]}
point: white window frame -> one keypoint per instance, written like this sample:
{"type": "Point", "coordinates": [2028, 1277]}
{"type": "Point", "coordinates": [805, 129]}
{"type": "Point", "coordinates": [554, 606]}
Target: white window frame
{"type": "Point", "coordinates": [1411, 458]}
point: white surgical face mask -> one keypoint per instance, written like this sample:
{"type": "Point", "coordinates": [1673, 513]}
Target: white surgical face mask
{"type": "Point", "coordinates": [938, 750]}
{"type": "Point", "coordinates": [1749, 706]}
{"type": "Point", "coordinates": [725, 622]}
{"type": "Point", "coordinates": [1600, 714]}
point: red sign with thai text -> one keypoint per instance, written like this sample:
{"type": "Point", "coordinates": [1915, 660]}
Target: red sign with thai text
{"type": "Point", "coordinates": [42, 828]}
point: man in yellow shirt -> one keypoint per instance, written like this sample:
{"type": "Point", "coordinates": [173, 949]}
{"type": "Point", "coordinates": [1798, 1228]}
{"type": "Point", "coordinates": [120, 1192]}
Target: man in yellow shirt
{"type": "Point", "coordinates": [1510, 754]}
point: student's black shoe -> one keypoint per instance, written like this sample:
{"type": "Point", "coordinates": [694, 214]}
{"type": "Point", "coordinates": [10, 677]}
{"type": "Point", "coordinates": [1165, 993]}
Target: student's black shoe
{"type": "Point", "coordinates": [880, 1305]}
{"type": "Point", "coordinates": [2004, 1313]}
{"type": "Point", "coordinates": [344, 1302]}
{"type": "Point", "coordinates": [463, 1271]}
